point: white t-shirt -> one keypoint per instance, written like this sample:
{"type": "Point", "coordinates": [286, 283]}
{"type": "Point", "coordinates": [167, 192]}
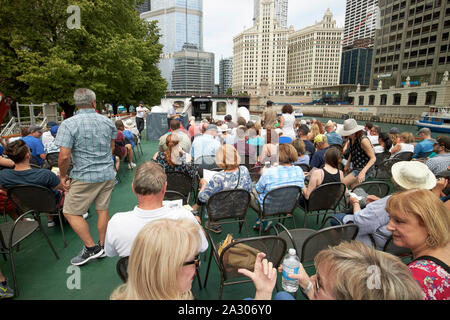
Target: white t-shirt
{"type": "Point", "coordinates": [125, 226]}
{"type": "Point", "coordinates": [47, 137]}
{"type": "Point", "coordinates": [140, 112]}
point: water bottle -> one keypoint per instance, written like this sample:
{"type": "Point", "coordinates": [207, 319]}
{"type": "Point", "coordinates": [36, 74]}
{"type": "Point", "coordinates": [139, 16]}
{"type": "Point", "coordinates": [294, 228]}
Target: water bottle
{"type": "Point", "coordinates": [291, 264]}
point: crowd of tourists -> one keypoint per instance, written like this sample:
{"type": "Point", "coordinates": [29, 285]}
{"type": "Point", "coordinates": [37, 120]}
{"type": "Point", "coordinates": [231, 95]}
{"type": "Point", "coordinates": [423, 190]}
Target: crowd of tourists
{"type": "Point", "coordinates": [257, 157]}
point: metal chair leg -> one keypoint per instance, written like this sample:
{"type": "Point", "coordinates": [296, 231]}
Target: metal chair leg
{"type": "Point", "coordinates": [13, 270]}
{"type": "Point", "coordinates": [48, 241]}
{"type": "Point", "coordinates": [207, 270]}
{"type": "Point", "coordinates": [62, 229]}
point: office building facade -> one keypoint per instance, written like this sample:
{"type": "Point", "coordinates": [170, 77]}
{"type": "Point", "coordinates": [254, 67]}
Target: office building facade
{"type": "Point", "coordinates": [180, 22]}
{"type": "Point", "coordinates": [361, 21]}
{"type": "Point", "coordinates": [314, 58]}
{"type": "Point", "coordinates": [260, 54]}
{"type": "Point", "coordinates": [413, 43]}
{"type": "Point", "coordinates": [225, 75]}
{"type": "Point", "coordinates": [193, 71]}
{"type": "Point", "coordinates": [356, 66]}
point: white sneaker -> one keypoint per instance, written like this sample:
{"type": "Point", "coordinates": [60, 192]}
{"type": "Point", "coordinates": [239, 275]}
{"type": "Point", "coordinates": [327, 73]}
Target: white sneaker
{"type": "Point", "coordinates": [86, 215]}
{"type": "Point", "coordinates": [131, 165]}
{"type": "Point", "coordinates": [51, 224]}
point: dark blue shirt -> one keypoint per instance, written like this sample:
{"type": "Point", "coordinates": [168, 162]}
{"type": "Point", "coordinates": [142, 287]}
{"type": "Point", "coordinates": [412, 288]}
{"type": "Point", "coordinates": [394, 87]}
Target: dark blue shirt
{"type": "Point", "coordinates": [318, 159]}
{"type": "Point", "coordinates": [41, 177]}
{"type": "Point", "coordinates": [36, 147]}
{"type": "Point", "coordinates": [310, 148]}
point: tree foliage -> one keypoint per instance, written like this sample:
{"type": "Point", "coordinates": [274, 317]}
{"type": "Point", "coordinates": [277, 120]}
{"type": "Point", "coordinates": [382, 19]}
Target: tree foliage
{"type": "Point", "coordinates": [114, 53]}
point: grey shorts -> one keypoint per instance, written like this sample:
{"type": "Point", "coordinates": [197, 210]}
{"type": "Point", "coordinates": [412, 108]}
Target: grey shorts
{"type": "Point", "coordinates": [356, 172]}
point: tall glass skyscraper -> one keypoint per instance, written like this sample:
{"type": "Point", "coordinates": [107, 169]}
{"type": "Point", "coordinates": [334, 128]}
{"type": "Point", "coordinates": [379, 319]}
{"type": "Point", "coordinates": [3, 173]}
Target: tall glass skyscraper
{"type": "Point", "coordinates": [180, 22]}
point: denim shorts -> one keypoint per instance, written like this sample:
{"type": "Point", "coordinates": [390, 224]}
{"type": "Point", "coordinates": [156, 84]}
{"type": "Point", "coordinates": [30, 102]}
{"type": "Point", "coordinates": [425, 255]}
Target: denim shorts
{"type": "Point", "coordinates": [356, 172]}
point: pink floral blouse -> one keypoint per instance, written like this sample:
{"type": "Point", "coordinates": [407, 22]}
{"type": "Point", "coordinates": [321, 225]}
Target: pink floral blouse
{"type": "Point", "coordinates": [433, 277]}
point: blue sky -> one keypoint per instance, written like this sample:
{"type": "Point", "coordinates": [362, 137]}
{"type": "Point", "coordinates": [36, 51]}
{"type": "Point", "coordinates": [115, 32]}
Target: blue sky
{"type": "Point", "coordinates": [224, 19]}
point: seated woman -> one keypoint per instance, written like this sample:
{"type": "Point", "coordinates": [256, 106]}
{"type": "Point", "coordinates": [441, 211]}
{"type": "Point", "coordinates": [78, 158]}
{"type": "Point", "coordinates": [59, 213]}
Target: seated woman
{"type": "Point", "coordinates": [174, 159]}
{"type": "Point", "coordinates": [383, 147]}
{"type": "Point", "coordinates": [420, 221]}
{"type": "Point", "coordinates": [361, 158]}
{"type": "Point", "coordinates": [23, 174]}
{"type": "Point", "coordinates": [285, 174]}
{"type": "Point", "coordinates": [303, 158]}
{"type": "Point", "coordinates": [354, 271]}
{"type": "Point", "coordinates": [123, 146]}
{"type": "Point", "coordinates": [329, 173]}
{"type": "Point", "coordinates": [404, 144]}
{"type": "Point", "coordinates": [269, 152]}
{"type": "Point", "coordinates": [232, 177]}
{"type": "Point", "coordinates": [169, 245]}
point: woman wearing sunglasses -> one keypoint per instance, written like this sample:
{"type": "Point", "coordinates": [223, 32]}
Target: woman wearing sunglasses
{"type": "Point", "coordinates": [162, 249]}
{"type": "Point", "coordinates": [354, 271]}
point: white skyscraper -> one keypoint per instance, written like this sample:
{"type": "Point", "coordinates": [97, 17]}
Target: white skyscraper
{"type": "Point", "coordinates": [361, 18]}
{"type": "Point", "coordinates": [281, 11]}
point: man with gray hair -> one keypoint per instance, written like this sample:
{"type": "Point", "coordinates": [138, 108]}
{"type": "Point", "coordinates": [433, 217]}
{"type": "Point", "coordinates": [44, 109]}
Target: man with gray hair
{"type": "Point", "coordinates": [87, 138]}
{"type": "Point", "coordinates": [149, 186]}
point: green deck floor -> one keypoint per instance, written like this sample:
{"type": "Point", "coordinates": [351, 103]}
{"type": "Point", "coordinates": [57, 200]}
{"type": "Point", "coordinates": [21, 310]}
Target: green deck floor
{"type": "Point", "coordinates": [41, 276]}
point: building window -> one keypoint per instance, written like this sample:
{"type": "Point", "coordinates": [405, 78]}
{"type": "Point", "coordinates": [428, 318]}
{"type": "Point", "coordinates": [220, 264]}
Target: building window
{"type": "Point", "coordinates": [431, 98]}
{"type": "Point", "coordinates": [383, 100]}
{"type": "Point", "coordinates": [397, 99]}
{"type": "Point", "coordinates": [412, 99]}
{"type": "Point", "coordinates": [361, 100]}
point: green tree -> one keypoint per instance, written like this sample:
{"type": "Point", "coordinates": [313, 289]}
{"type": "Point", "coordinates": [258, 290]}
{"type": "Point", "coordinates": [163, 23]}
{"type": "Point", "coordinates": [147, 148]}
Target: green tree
{"type": "Point", "coordinates": [229, 92]}
{"type": "Point", "coordinates": [114, 52]}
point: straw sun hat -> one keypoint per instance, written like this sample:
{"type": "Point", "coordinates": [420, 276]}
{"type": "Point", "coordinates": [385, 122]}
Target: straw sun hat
{"type": "Point", "coordinates": [413, 175]}
{"type": "Point", "coordinates": [349, 128]}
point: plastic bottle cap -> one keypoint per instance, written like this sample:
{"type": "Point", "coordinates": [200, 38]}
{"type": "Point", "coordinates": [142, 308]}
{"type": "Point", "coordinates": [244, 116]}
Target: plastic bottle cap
{"type": "Point", "coordinates": [292, 252]}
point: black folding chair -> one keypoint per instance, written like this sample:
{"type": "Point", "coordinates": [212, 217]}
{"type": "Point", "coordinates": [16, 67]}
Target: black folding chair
{"type": "Point", "coordinates": [325, 197]}
{"type": "Point", "coordinates": [174, 195]}
{"type": "Point", "coordinates": [377, 188]}
{"type": "Point", "coordinates": [180, 182]}
{"type": "Point", "coordinates": [205, 162]}
{"type": "Point", "coordinates": [27, 198]}
{"type": "Point", "coordinates": [308, 243]}
{"type": "Point", "coordinates": [391, 248]}
{"type": "Point", "coordinates": [229, 205]}
{"type": "Point", "coordinates": [12, 233]}
{"type": "Point", "coordinates": [383, 170]}
{"type": "Point", "coordinates": [305, 167]}
{"type": "Point", "coordinates": [122, 268]}
{"type": "Point", "coordinates": [274, 248]}
{"type": "Point", "coordinates": [404, 156]}
{"type": "Point", "coordinates": [280, 203]}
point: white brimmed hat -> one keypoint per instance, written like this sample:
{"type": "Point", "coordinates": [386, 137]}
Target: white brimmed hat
{"type": "Point", "coordinates": [129, 124]}
{"type": "Point", "coordinates": [413, 175]}
{"type": "Point", "coordinates": [223, 128]}
{"type": "Point", "coordinates": [349, 128]}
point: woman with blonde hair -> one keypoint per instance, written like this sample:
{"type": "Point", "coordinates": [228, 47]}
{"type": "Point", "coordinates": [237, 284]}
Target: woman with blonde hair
{"type": "Point", "coordinates": [315, 131]}
{"type": "Point", "coordinates": [174, 159]}
{"type": "Point", "coordinates": [162, 262]}
{"type": "Point", "coordinates": [354, 271]}
{"type": "Point", "coordinates": [420, 221]}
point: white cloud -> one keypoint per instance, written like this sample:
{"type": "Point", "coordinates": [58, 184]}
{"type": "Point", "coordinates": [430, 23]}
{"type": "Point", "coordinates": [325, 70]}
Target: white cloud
{"type": "Point", "coordinates": [223, 20]}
